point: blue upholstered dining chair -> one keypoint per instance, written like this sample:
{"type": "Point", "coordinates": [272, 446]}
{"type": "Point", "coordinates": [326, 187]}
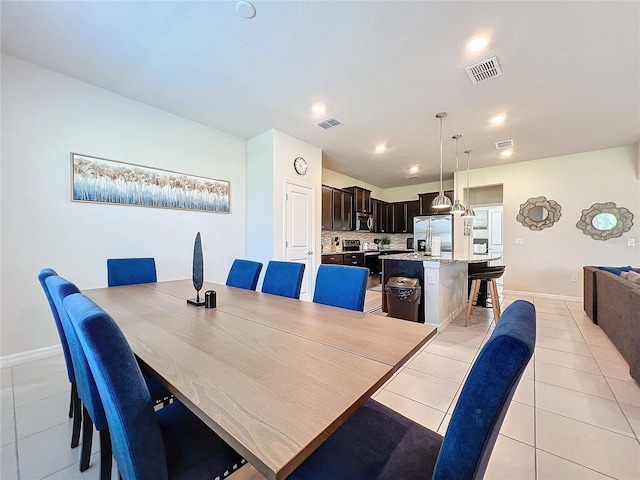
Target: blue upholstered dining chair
{"type": "Point", "coordinates": [244, 274]}
{"type": "Point", "coordinates": [167, 444]}
{"type": "Point", "coordinates": [341, 286]}
{"type": "Point", "coordinates": [75, 408]}
{"type": "Point", "coordinates": [129, 271]}
{"type": "Point", "coordinates": [283, 278]}
{"type": "Point", "coordinates": [377, 443]}
{"type": "Point", "coordinates": [92, 409]}
{"type": "Point", "coordinates": [93, 413]}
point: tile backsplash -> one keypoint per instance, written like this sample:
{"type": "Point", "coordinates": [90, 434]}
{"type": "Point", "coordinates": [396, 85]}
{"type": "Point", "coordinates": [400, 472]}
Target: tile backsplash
{"type": "Point", "coordinates": [398, 240]}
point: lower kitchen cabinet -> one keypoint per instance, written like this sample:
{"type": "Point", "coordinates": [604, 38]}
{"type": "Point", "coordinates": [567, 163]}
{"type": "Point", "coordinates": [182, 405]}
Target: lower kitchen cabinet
{"type": "Point", "coordinates": [354, 259]}
{"type": "Point", "coordinates": [335, 259]}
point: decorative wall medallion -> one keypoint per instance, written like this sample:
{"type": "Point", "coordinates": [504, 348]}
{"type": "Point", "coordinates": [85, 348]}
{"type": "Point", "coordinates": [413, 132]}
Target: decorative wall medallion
{"type": "Point", "coordinates": [603, 221]}
{"type": "Point", "coordinates": [539, 213]}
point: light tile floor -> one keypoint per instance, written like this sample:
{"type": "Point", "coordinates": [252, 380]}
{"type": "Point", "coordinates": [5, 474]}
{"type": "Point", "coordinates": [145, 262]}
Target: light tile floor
{"type": "Point", "coordinates": [575, 415]}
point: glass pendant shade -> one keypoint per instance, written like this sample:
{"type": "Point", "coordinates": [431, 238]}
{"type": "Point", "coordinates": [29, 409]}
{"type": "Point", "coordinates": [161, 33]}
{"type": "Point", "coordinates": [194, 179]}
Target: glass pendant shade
{"type": "Point", "coordinates": [468, 211]}
{"type": "Point", "coordinates": [457, 207]}
{"type": "Point", "coordinates": [441, 201]}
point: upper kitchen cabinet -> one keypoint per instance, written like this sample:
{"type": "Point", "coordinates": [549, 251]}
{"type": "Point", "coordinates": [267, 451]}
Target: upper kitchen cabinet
{"type": "Point", "coordinates": [413, 210]}
{"type": "Point", "coordinates": [425, 200]}
{"type": "Point", "coordinates": [342, 210]}
{"type": "Point", "coordinates": [381, 216]}
{"type": "Point", "coordinates": [327, 208]}
{"type": "Point", "coordinates": [361, 199]}
{"type": "Point", "coordinates": [402, 214]}
{"type": "Point", "coordinates": [337, 206]}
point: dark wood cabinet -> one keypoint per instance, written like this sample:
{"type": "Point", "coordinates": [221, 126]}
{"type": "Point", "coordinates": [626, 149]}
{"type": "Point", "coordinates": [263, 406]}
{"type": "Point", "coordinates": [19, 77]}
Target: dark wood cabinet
{"type": "Point", "coordinates": [334, 259]}
{"type": "Point", "coordinates": [413, 209]}
{"type": "Point", "coordinates": [361, 199]}
{"type": "Point", "coordinates": [327, 208]}
{"type": "Point", "coordinates": [337, 209]}
{"type": "Point", "coordinates": [381, 216]}
{"type": "Point", "coordinates": [425, 200]}
{"type": "Point", "coordinates": [354, 259]}
{"type": "Point", "coordinates": [399, 217]}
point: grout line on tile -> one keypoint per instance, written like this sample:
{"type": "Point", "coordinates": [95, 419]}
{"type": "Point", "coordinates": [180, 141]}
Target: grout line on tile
{"type": "Point", "coordinates": [571, 461]}
{"type": "Point", "coordinates": [15, 426]}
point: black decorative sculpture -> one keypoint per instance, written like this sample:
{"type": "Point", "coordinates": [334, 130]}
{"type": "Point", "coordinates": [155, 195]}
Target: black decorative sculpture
{"type": "Point", "coordinates": [198, 272]}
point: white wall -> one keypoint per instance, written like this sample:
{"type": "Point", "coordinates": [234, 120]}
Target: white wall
{"type": "Point", "coordinates": [546, 260]}
{"type": "Point", "coordinates": [270, 157]}
{"type": "Point", "coordinates": [398, 194]}
{"type": "Point", "coordinates": [45, 116]}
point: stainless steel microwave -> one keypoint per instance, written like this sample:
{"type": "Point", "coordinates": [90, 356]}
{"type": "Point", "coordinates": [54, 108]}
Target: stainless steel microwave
{"type": "Point", "coordinates": [364, 221]}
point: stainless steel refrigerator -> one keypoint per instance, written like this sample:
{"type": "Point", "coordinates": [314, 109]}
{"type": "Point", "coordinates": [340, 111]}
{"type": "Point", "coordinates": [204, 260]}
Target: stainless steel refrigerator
{"type": "Point", "coordinates": [425, 227]}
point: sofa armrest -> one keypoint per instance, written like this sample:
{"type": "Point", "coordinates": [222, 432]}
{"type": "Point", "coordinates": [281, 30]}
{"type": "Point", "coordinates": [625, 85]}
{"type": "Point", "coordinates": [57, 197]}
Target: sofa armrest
{"type": "Point", "coordinates": [590, 294]}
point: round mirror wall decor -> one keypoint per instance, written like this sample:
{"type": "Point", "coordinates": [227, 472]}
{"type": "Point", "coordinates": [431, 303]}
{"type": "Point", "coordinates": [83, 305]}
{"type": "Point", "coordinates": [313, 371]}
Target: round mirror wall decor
{"type": "Point", "coordinates": [603, 221]}
{"type": "Point", "coordinates": [539, 213]}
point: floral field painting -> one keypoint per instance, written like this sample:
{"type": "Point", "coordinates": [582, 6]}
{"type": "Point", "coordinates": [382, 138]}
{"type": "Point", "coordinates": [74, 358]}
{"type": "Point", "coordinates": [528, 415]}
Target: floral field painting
{"type": "Point", "coordinates": [107, 181]}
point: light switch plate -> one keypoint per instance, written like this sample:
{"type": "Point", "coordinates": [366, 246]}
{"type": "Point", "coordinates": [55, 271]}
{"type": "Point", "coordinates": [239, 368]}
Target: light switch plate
{"type": "Point", "coordinates": [519, 241]}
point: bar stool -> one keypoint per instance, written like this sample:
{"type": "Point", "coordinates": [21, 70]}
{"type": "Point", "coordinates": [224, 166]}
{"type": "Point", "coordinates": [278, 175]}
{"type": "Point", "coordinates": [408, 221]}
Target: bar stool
{"type": "Point", "coordinates": [489, 275]}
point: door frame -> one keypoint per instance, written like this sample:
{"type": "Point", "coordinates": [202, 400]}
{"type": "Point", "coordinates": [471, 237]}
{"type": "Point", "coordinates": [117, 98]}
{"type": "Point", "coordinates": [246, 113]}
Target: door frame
{"type": "Point", "coordinates": [313, 263]}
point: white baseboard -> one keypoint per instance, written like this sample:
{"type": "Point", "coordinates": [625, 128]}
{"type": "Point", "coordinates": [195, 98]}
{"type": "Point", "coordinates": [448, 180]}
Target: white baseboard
{"type": "Point", "coordinates": [22, 357]}
{"type": "Point", "coordinates": [516, 293]}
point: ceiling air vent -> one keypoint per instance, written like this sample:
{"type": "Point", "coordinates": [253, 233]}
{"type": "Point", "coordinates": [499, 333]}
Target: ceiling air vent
{"type": "Point", "coordinates": [329, 122]}
{"type": "Point", "coordinates": [484, 70]}
{"type": "Point", "coordinates": [504, 144]}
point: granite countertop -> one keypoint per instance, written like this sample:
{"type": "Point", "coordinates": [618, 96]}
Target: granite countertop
{"type": "Point", "coordinates": [371, 250]}
{"type": "Point", "coordinates": [446, 257]}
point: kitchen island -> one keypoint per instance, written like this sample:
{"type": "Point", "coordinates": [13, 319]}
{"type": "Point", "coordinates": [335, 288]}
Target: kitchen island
{"type": "Point", "coordinates": [444, 282]}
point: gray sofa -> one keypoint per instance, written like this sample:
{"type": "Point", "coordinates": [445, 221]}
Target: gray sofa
{"type": "Point", "coordinates": [614, 303]}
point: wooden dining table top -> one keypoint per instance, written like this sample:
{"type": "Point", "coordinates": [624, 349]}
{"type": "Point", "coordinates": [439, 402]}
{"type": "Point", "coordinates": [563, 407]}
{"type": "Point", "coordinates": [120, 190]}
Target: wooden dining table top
{"type": "Point", "coordinates": [273, 376]}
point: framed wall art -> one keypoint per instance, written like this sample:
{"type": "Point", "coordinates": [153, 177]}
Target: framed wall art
{"type": "Point", "coordinates": [481, 220]}
{"type": "Point", "coordinates": [100, 180]}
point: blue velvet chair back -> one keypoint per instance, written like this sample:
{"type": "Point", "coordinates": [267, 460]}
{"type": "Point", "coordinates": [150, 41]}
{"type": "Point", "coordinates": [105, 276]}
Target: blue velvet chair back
{"type": "Point", "coordinates": [283, 278]}
{"type": "Point", "coordinates": [244, 274]}
{"type": "Point", "coordinates": [42, 277]}
{"type": "Point", "coordinates": [87, 390]}
{"type": "Point", "coordinates": [341, 286]}
{"type": "Point", "coordinates": [486, 395]}
{"type": "Point", "coordinates": [129, 271]}
{"type": "Point", "coordinates": [135, 431]}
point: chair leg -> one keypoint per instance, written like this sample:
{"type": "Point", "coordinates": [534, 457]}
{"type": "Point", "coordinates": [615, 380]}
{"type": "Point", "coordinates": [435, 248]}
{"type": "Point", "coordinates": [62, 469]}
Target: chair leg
{"type": "Point", "coordinates": [495, 300]}
{"type": "Point", "coordinates": [87, 440]}
{"type": "Point", "coordinates": [77, 417]}
{"type": "Point", "coordinates": [72, 396]}
{"type": "Point", "coordinates": [105, 455]}
{"type": "Point", "coordinates": [475, 284]}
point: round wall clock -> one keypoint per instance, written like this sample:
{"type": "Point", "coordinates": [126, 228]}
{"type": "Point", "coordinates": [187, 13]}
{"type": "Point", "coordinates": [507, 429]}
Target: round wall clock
{"type": "Point", "coordinates": [300, 165]}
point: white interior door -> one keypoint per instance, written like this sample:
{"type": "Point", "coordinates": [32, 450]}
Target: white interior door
{"type": "Point", "coordinates": [300, 232]}
{"type": "Point", "coordinates": [495, 235]}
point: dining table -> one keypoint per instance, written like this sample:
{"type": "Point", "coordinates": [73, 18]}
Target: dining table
{"type": "Point", "coordinates": [272, 376]}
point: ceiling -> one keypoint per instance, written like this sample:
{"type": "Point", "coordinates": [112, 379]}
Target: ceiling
{"type": "Point", "coordinates": [570, 82]}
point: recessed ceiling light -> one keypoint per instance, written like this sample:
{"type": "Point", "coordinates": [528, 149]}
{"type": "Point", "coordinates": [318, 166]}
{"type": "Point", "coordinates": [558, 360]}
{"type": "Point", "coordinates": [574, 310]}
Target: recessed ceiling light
{"type": "Point", "coordinates": [414, 169]}
{"type": "Point", "coordinates": [245, 9]}
{"type": "Point", "coordinates": [477, 44]}
{"type": "Point", "coordinates": [381, 148]}
{"type": "Point", "coordinates": [498, 119]}
{"type": "Point", "coordinates": [319, 109]}
{"type": "Point", "coordinates": [507, 153]}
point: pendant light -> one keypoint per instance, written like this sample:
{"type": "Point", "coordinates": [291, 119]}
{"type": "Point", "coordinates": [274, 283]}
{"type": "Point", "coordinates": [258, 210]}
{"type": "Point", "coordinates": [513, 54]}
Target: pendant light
{"type": "Point", "coordinates": [468, 212]}
{"type": "Point", "coordinates": [457, 207]}
{"type": "Point", "coordinates": [441, 202]}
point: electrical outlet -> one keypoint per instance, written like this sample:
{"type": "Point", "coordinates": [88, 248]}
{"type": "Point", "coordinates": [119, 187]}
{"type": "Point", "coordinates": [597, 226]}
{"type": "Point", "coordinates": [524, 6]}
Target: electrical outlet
{"type": "Point", "coordinates": [519, 241]}
{"type": "Point", "coordinates": [431, 279]}
{"type": "Point", "coordinates": [574, 278]}
{"type": "Point", "coordinates": [631, 242]}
